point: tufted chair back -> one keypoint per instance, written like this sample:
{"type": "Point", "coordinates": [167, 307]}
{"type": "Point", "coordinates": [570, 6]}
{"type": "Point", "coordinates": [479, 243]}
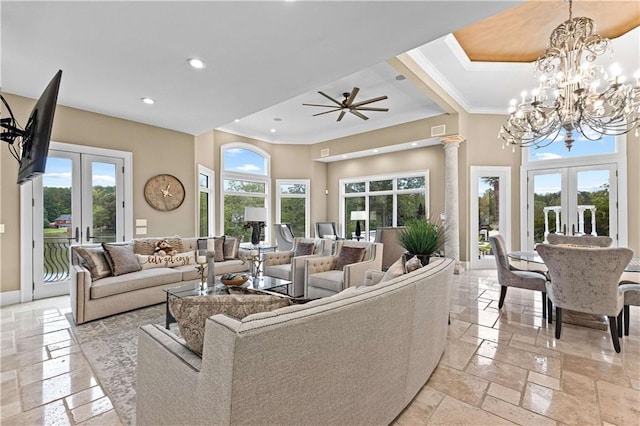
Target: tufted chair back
{"type": "Point", "coordinates": [583, 240]}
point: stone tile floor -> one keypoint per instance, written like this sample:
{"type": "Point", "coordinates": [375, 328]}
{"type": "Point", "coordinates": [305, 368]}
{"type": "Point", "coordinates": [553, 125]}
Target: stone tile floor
{"type": "Point", "coordinates": [500, 367]}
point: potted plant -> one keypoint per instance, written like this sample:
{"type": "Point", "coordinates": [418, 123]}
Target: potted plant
{"type": "Point", "coordinates": [422, 238]}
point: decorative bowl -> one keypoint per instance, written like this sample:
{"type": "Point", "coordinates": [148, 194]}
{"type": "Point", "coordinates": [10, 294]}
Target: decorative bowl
{"type": "Point", "coordinates": [234, 280]}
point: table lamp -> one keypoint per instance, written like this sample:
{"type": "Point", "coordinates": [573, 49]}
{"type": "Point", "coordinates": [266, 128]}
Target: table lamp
{"type": "Point", "coordinates": [255, 217]}
{"type": "Point", "coordinates": [358, 216]}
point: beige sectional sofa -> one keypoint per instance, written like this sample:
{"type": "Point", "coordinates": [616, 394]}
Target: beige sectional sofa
{"type": "Point", "coordinates": [105, 294]}
{"type": "Point", "coordinates": [358, 357]}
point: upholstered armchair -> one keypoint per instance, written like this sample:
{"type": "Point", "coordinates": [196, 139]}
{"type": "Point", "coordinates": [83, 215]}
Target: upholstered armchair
{"type": "Point", "coordinates": [289, 265]}
{"type": "Point", "coordinates": [585, 279]}
{"type": "Point", "coordinates": [510, 276]}
{"type": "Point", "coordinates": [327, 230]}
{"type": "Point", "coordinates": [328, 275]}
{"type": "Point", "coordinates": [388, 236]}
{"type": "Point", "coordinates": [582, 240]}
{"type": "Point", "coordinates": [284, 236]}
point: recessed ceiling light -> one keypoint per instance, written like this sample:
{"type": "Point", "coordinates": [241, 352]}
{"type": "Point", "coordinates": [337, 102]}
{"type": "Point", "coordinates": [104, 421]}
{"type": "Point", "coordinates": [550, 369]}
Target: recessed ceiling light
{"type": "Point", "coordinates": [375, 150]}
{"type": "Point", "coordinates": [148, 101]}
{"type": "Point", "coordinates": [196, 63]}
{"type": "Point", "coordinates": [344, 156]}
{"type": "Point", "coordinates": [414, 144]}
{"type": "Point", "coordinates": [277, 119]}
{"type": "Point", "coordinates": [273, 130]}
{"type": "Point", "coordinates": [236, 120]}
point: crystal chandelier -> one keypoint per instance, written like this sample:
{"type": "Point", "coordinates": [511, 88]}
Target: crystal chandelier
{"type": "Point", "coordinates": [569, 96]}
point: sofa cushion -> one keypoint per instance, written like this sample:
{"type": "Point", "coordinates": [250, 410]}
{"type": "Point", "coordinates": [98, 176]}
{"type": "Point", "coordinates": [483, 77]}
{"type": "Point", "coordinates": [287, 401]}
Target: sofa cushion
{"type": "Point", "coordinates": [192, 312]}
{"type": "Point", "coordinates": [189, 272]}
{"type": "Point", "coordinates": [231, 247]}
{"type": "Point", "coordinates": [95, 261]}
{"type": "Point", "coordinates": [278, 271]}
{"type": "Point", "coordinates": [304, 249]}
{"type": "Point", "coordinates": [329, 280]}
{"type": "Point", "coordinates": [121, 258]}
{"type": "Point", "coordinates": [148, 245]}
{"type": "Point", "coordinates": [349, 255]}
{"type": "Point", "coordinates": [235, 265]}
{"type": "Point", "coordinates": [134, 281]}
{"type": "Point", "coordinates": [395, 270]}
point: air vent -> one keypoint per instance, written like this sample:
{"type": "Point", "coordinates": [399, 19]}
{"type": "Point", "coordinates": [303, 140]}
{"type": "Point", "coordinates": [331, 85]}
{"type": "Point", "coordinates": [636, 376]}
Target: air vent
{"type": "Point", "coordinates": [438, 130]}
{"type": "Point", "coordinates": [324, 152]}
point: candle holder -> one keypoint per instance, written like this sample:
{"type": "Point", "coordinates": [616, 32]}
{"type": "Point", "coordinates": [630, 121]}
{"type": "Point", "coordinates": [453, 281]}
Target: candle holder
{"type": "Point", "coordinates": [201, 267]}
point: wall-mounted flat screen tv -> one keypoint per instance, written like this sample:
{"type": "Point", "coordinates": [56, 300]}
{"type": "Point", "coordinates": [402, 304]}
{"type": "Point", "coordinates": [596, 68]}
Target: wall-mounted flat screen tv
{"type": "Point", "coordinates": [37, 133]}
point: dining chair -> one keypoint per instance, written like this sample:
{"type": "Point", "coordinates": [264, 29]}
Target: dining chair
{"type": "Point", "coordinates": [327, 230]}
{"type": "Point", "coordinates": [510, 276]}
{"type": "Point", "coordinates": [631, 283]}
{"type": "Point", "coordinates": [585, 279]}
{"type": "Point", "coordinates": [284, 236]}
{"type": "Point", "coordinates": [582, 240]}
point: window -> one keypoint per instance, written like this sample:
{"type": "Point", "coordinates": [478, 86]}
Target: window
{"type": "Point", "coordinates": [245, 183]}
{"type": "Point", "coordinates": [389, 201]}
{"type": "Point", "coordinates": [292, 204]}
{"type": "Point", "coordinates": [206, 202]}
{"type": "Point", "coordinates": [581, 147]}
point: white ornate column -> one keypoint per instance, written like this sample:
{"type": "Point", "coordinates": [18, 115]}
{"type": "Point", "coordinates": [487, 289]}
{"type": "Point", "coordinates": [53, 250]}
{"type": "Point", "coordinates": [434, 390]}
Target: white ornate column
{"type": "Point", "coordinates": [451, 211]}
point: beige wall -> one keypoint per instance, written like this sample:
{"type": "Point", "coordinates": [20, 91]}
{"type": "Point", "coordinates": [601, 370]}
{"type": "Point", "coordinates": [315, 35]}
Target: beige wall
{"type": "Point", "coordinates": [155, 150]}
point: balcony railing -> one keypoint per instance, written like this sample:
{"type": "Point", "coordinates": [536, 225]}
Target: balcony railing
{"type": "Point", "coordinates": [56, 256]}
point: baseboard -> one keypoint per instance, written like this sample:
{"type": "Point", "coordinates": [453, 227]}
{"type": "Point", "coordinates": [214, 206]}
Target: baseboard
{"type": "Point", "coordinates": [9, 297]}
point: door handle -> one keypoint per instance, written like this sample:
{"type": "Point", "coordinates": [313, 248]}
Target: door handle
{"type": "Point", "coordinates": [89, 237]}
{"type": "Point", "coordinates": [564, 229]}
{"type": "Point", "coordinates": [77, 234]}
{"type": "Point", "coordinates": [573, 229]}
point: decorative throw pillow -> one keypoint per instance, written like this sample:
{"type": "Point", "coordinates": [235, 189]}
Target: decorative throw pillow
{"type": "Point", "coordinates": [148, 245]}
{"type": "Point", "coordinates": [216, 245]}
{"type": "Point", "coordinates": [121, 258]}
{"type": "Point", "coordinates": [349, 255]}
{"type": "Point", "coordinates": [412, 264]}
{"type": "Point", "coordinates": [180, 259]}
{"type": "Point", "coordinates": [95, 261]}
{"type": "Point", "coordinates": [304, 249]}
{"type": "Point", "coordinates": [395, 270]}
{"type": "Point", "coordinates": [192, 312]}
{"type": "Point", "coordinates": [231, 247]}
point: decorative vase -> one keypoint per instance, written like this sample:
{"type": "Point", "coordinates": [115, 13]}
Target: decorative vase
{"type": "Point", "coordinates": [255, 234]}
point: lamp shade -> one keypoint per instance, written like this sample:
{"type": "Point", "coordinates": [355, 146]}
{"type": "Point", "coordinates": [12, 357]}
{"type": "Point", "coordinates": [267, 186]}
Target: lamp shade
{"type": "Point", "coordinates": [359, 215]}
{"type": "Point", "coordinates": [255, 214]}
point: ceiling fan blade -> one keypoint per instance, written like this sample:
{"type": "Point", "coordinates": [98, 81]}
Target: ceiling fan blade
{"type": "Point", "coordinates": [342, 113]}
{"type": "Point", "coordinates": [330, 98]}
{"type": "Point", "coordinates": [328, 106]}
{"type": "Point", "coordinates": [352, 96]}
{"type": "Point", "coordinates": [369, 101]}
{"type": "Point", "coordinates": [371, 109]}
{"type": "Point", "coordinates": [356, 113]}
{"type": "Point", "coordinates": [327, 112]}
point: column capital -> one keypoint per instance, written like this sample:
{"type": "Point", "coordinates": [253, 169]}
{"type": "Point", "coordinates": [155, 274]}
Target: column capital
{"type": "Point", "coordinates": [452, 140]}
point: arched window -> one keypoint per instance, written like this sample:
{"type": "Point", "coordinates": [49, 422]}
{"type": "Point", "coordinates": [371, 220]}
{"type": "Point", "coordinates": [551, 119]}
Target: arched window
{"type": "Point", "coordinates": [245, 183]}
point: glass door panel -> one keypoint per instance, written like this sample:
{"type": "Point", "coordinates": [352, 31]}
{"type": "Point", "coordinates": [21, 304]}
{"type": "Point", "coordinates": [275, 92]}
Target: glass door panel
{"type": "Point", "coordinates": [100, 224]}
{"type": "Point", "coordinates": [490, 212]}
{"type": "Point", "coordinates": [352, 204]}
{"type": "Point", "coordinates": [547, 190]}
{"type": "Point", "coordinates": [380, 213]}
{"type": "Point", "coordinates": [594, 200]}
{"type": "Point", "coordinates": [292, 210]}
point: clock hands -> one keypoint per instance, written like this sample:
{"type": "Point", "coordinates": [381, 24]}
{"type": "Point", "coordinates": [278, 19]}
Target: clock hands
{"type": "Point", "coordinates": [165, 192]}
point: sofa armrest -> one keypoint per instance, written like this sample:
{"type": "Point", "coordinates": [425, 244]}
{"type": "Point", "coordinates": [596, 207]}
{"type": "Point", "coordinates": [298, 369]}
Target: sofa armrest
{"type": "Point", "coordinates": [313, 265]}
{"type": "Point", "coordinates": [354, 272]}
{"type": "Point", "coordinates": [276, 258]}
{"type": "Point", "coordinates": [79, 291]}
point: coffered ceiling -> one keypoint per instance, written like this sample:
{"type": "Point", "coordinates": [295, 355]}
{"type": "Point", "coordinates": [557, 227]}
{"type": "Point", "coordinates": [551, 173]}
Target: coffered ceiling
{"type": "Point", "coordinates": [265, 59]}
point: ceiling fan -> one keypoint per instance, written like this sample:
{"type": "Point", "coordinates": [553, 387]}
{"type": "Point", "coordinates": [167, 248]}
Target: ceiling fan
{"type": "Point", "coordinates": [347, 105]}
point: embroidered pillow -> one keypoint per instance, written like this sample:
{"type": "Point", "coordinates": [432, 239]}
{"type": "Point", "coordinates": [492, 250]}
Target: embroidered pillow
{"type": "Point", "coordinates": [148, 245]}
{"type": "Point", "coordinates": [216, 245]}
{"type": "Point", "coordinates": [412, 264]}
{"type": "Point", "coordinates": [180, 259]}
{"type": "Point", "coordinates": [349, 255]}
{"type": "Point", "coordinates": [95, 261]}
{"type": "Point", "coordinates": [121, 258]}
{"type": "Point", "coordinates": [304, 249]}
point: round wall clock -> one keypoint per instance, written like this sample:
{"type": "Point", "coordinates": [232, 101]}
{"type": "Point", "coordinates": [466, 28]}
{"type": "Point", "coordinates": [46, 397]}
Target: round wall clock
{"type": "Point", "coordinates": [164, 192]}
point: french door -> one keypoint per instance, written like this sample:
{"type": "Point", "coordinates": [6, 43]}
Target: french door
{"type": "Point", "coordinates": [78, 200]}
{"type": "Point", "coordinates": [574, 200]}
